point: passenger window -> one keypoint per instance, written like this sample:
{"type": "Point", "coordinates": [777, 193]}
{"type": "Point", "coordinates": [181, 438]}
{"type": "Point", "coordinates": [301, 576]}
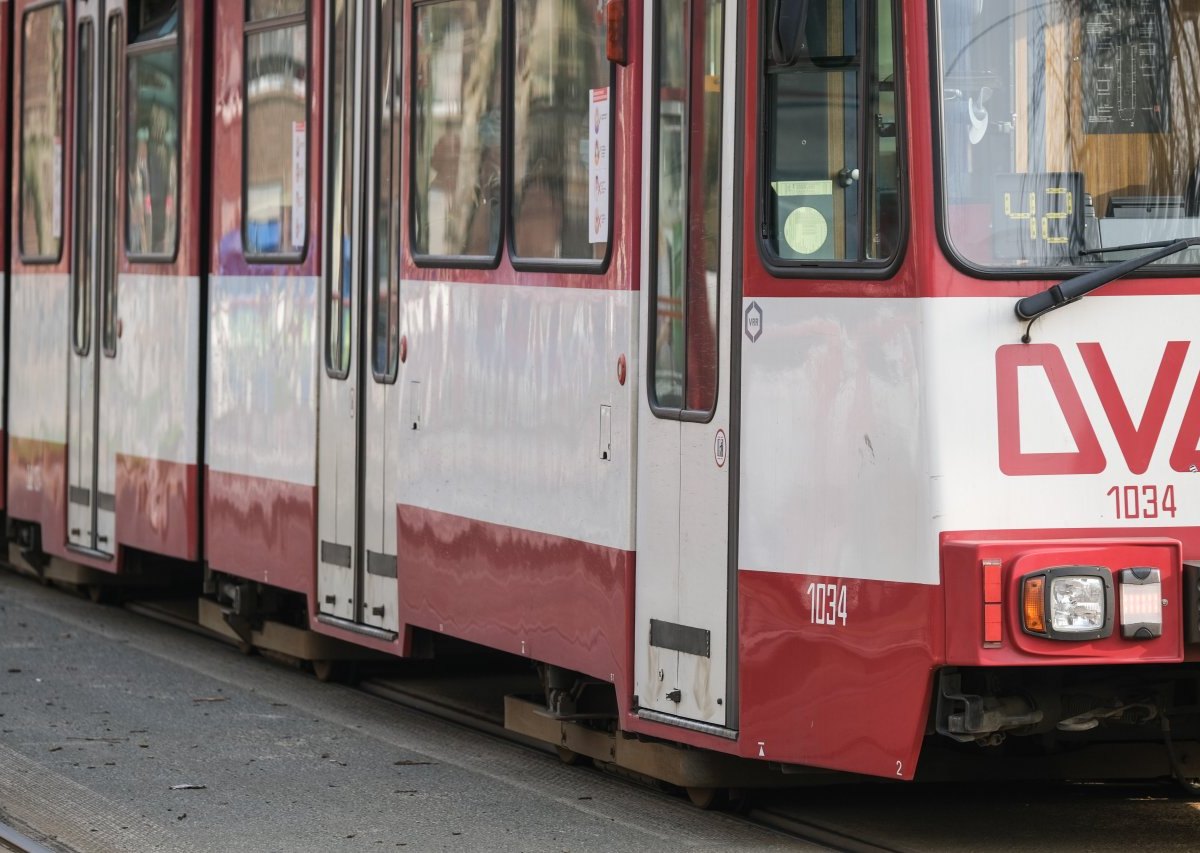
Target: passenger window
{"type": "Point", "coordinates": [261, 10]}
{"type": "Point", "coordinates": [84, 226]}
{"type": "Point", "coordinates": [832, 170]}
{"type": "Point", "coordinates": [112, 204]}
{"type": "Point", "coordinates": [152, 138]}
{"type": "Point", "coordinates": [41, 199]}
{"type": "Point", "coordinates": [457, 129]}
{"type": "Point", "coordinates": [340, 295]}
{"type": "Point", "coordinates": [562, 93]}
{"type": "Point", "coordinates": [386, 299]}
{"type": "Point", "coordinates": [275, 145]}
{"type": "Point", "coordinates": [686, 249]}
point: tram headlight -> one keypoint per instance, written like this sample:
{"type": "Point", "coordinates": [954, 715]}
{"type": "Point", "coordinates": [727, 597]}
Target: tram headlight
{"type": "Point", "coordinates": [1068, 603]}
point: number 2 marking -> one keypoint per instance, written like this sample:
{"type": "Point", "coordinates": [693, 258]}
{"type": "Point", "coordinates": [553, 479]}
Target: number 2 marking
{"type": "Point", "coordinates": [899, 768]}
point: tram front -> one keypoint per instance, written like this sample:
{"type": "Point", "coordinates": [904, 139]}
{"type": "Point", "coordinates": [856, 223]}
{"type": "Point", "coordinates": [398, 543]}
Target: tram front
{"type": "Point", "coordinates": [1067, 193]}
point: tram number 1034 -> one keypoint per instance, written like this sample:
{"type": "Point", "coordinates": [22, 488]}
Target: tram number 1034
{"type": "Point", "coordinates": [1143, 501]}
{"type": "Point", "coordinates": [828, 603]}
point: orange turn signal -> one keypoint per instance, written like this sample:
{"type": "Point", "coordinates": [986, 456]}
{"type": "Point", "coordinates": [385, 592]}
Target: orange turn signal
{"type": "Point", "coordinates": [1033, 600]}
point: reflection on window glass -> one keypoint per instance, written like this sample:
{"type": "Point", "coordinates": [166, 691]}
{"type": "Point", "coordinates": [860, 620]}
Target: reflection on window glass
{"type": "Point", "coordinates": [260, 10]}
{"type": "Point", "coordinates": [457, 128]}
{"type": "Point", "coordinates": [84, 222]}
{"type": "Point", "coordinates": [1068, 126]}
{"type": "Point", "coordinates": [114, 96]}
{"type": "Point", "coordinates": [276, 141]}
{"type": "Point", "coordinates": [688, 126]}
{"type": "Point", "coordinates": [156, 18]}
{"type": "Point", "coordinates": [386, 302]}
{"type": "Point", "coordinates": [341, 166]}
{"type": "Point", "coordinates": [560, 61]}
{"type": "Point", "coordinates": [152, 153]}
{"type": "Point", "coordinates": [42, 134]}
{"type": "Point", "coordinates": [825, 201]}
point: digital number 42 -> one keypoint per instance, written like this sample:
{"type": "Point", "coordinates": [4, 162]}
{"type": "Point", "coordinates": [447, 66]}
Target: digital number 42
{"type": "Point", "coordinates": [827, 602]}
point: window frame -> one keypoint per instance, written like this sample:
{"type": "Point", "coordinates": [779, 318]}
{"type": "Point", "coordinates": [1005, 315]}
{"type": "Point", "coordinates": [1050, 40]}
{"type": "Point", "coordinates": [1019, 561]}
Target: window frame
{"type": "Point", "coordinates": [680, 413]}
{"type": "Point", "coordinates": [30, 259]}
{"type": "Point", "coordinates": [249, 30]}
{"type": "Point", "coordinates": [134, 51]}
{"type": "Point", "coordinates": [431, 260]}
{"type": "Point", "coordinates": [858, 268]}
{"type": "Point", "coordinates": [595, 266]}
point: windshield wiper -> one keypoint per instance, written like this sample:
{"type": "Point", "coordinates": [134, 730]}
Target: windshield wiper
{"type": "Point", "coordinates": [1058, 295]}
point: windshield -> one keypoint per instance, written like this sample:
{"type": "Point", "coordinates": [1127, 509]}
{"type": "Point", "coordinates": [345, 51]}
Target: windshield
{"type": "Point", "coordinates": [1068, 127]}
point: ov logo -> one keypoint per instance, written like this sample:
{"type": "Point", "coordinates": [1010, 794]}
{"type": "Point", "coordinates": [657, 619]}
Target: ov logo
{"type": "Point", "coordinates": [1136, 440]}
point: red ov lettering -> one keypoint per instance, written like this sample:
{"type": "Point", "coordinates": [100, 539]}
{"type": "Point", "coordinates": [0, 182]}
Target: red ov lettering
{"type": "Point", "coordinates": [1136, 440]}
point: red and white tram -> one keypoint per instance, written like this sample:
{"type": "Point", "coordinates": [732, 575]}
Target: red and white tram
{"type": "Point", "coordinates": [694, 350]}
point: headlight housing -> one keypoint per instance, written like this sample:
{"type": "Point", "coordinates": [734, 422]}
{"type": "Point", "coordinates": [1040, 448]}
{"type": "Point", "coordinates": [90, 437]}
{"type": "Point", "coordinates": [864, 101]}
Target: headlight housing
{"type": "Point", "coordinates": [1068, 603]}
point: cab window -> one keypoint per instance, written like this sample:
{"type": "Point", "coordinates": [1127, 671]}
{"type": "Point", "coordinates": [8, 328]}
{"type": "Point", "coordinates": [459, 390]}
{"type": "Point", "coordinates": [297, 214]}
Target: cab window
{"type": "Point", "coordinates": [832, 167]}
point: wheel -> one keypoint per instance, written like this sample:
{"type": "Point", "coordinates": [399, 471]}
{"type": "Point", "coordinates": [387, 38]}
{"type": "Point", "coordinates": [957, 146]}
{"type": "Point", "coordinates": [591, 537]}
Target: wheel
{"type": "Point", "coordinates": [101, 594]}
{"type": "Point", "coordinates": [1190, 786]}
{"type": "Point", "coordinates": [705, 798]}
{"type": "Point", "coordinates": [569, 756]}
{"type": "Point", "coordinates": [325, 670]}
{"type": "Point", "coordinates": [334, 670]}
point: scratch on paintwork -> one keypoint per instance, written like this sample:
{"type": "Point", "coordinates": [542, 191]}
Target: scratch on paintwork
{"type": "Point", "coordinates": [870, 447]}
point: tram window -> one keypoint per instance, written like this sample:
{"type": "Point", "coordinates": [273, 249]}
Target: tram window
{"type": "Point", "coordinates": [561, 66]}
{"type": "Point", "coordinates": [275, 144]}
{"type": "Point", "coordinates": [1068, 127]}
{"type": "Point", "coordinates": [385, 307]}
{"type": "Point", "coordinates": [339, 316]}
{"type": "Point", "coordinates": [84, 225]}
{"type": "Point", "coordinates": [41, 198]}
{"type": "Point", "coordinates": [832, 166]}
{"type": "Point", "coordinates": [261, 10]}
{"type": "Point", "coordinates": [687, 127]}
{"type": "Point", "coordinates": [154, 18]}
{"type": "Point", "coordinates": [115, 100]}
{"type": "Point", "coordinates": [152, 139]}
{"type": "Point", "coordinates": [457, 130]}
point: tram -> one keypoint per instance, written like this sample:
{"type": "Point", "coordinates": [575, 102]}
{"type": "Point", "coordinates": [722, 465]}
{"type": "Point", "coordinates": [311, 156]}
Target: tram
{"type": "Point", "coordinates": [806, 382]}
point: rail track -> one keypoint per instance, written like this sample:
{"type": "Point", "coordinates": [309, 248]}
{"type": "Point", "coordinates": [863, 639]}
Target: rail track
{"type": "Point", "coordinates": [854, 817]}
{"type": "Point", "coordinates": [453, 694]}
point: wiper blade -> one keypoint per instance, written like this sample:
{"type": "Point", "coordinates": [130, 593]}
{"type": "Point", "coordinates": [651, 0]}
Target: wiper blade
{"type": "Point", "coordinates": [1128, 247]}
{"type": "Point", "coordinates": [1058, 295]}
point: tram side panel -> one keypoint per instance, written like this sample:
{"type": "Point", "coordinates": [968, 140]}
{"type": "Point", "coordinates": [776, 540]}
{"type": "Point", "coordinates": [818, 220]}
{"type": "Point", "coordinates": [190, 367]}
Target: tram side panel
{"type": "Point", "coordinates": [840, 615]}
{"type": "Point", "coordinates": [515, 443]}
{"type": "Point", "coordinates": [5, 178]}
{"type": "Point", "coordinates": [263, 340]}
{"type": "Point", "coordinates": [38, 297]}
{"type": "Point", "coordinates": [154, 395]}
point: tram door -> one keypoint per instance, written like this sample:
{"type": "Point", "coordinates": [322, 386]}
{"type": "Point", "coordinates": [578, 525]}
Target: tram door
{"type": "Point", "coordinates": [356, 578]}
{"type": "Point", "coordinates": [91, 502]}
{"type": "Point", "coordinates": [685, 580]}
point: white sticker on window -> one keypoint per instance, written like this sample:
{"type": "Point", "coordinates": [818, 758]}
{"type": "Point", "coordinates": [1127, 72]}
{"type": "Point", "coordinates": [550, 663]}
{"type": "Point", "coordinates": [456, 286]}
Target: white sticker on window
{"type": "Point", "coordinates": [56, 180]}
{"type": "Point", "coordinates": [598, 167]}
{"type": "Point", "coordinates": [299, 182]}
